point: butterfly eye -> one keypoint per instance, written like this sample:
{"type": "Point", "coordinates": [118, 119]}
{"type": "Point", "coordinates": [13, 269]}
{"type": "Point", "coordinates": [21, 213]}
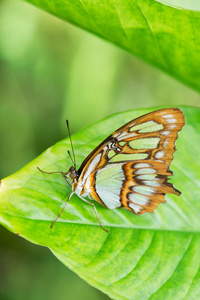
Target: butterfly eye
{"type": "Point", "coordinates": [72, 173]}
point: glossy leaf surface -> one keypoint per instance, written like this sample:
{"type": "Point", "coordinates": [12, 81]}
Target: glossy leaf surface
{"type": "Point", "coordinates": [164, 36]}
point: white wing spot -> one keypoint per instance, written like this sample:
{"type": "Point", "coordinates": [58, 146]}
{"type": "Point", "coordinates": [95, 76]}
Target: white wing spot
{"type": "Point", "coordinates": [171, 120]}
{"type": "Point", "coordinates": [172, 126]}
{"type": "Point", "coordinates": [145, 190]}
{"type": "Point", "coordinates": [168, 116]}
{"type": "Point", "coordinates": [135, 207]}
{"type": "Point", "coordinates": [159, 154]}
{"type": "Point", "coordinates": [144, 171]}
{"type": "Point", "coordinates": [147, 177]}
{"type": "Point", "coordinates": [141, 165]}
{"type": "Point", "coordinates": [165, 143]}
{"type": "Point", "coordinates": [138, 199]}
{"type": "Point", "coordinates": [152, 183]}
{"type": "Point", "coordinates": [166, 133]}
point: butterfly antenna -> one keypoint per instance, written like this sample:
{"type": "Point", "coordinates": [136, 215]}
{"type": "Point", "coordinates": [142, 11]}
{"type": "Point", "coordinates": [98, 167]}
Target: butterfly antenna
{"type": "Point", "coordinates": [74, 159]}
{"type": "Point", "coordinates": [74, 163]}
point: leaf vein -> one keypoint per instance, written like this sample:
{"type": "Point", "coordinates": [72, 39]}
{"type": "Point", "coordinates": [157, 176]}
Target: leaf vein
{"type": "Point", "coordinates": [129, 273]}
{"type": "Point", "coordinates": [153, 35]}
{"type": "Point", "coordinates": [178, 263]}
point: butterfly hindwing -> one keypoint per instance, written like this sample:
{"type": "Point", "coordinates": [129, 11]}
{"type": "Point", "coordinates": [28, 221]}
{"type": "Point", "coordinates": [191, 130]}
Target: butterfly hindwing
{"type": "Point", "coordinates": [145, 186]}
{"type": "Point", "coordinates": [130, 168]}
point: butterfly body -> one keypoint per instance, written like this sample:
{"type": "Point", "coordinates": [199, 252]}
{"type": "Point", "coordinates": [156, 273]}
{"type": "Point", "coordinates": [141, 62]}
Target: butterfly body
{"type": "Point", "coordinates": [130, 168]}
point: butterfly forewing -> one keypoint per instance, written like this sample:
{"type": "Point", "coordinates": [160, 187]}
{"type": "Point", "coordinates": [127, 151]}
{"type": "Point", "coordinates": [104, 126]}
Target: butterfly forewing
{"type": "Point", "coordinates": [130, 168]}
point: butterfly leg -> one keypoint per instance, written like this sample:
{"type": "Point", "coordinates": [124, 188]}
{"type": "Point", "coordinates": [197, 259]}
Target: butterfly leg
{"type": "Point", "coordinates": [62, 210]}
{"type": "Point", "coordinates": [58, 172]}
{"type": "Point", "coordinates": [95, 212]}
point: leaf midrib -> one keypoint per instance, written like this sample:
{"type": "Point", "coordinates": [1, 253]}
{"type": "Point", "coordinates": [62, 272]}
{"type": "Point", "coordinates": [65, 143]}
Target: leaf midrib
{"type": "Point", "coordinates": [107, 226]}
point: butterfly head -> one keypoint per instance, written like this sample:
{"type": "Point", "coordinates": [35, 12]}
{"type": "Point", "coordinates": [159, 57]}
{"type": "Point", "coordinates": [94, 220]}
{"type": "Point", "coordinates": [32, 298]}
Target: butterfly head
{"type": "Point", "coordinates": [72, 174]}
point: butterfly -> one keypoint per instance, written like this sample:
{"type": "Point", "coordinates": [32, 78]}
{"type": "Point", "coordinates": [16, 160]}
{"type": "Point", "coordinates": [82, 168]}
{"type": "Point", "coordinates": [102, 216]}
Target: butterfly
{"type": "Point", "coordinates": [130, 168]}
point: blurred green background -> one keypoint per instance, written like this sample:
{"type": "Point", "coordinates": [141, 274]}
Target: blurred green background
{"type": "Point", "coordinates": [50, 71]}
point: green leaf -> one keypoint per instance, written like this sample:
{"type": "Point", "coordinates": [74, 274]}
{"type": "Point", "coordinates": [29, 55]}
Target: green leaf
{"type": "Point", "coordinates": [164, 36]}
{"type": "Point", "coordinates": [191, 5]}
{"type": "Point", "coordinates": [152, 256]}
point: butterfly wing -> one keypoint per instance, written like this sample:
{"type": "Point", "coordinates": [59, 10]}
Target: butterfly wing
{"type": "Point", "coordinates": [130, 168]}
